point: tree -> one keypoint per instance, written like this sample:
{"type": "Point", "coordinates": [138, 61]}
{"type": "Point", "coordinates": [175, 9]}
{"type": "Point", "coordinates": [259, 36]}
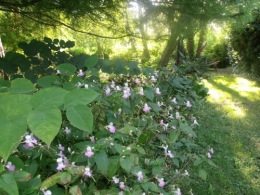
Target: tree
{"type": "Point", "coordinates": [180, 14]}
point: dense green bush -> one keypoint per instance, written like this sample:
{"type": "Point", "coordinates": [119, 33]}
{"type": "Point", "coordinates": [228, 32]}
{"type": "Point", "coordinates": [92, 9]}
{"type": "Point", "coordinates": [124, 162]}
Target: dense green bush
{"type": "Point", "coordinates": [109, 127]}
{"type": "Point", "coordinates": [246, 45]}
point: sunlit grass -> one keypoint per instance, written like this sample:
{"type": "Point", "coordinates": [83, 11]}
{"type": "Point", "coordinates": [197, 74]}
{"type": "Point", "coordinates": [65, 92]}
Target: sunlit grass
{"type": "Point", "coordinates": [230, 124]}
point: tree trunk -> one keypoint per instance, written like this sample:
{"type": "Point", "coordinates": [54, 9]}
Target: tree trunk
{"type": "Point", "coordinates": [170, 47]}
{"type": "Point", "coordinates": [201, 44]}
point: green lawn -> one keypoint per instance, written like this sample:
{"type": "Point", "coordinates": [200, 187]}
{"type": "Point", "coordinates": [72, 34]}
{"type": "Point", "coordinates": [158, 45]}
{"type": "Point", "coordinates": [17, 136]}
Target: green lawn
{"type": "Point", "coordinates": [230, 123]}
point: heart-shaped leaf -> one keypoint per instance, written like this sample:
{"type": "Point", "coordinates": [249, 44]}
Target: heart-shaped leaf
{"type": "Point", "coordinates": [21, 85]}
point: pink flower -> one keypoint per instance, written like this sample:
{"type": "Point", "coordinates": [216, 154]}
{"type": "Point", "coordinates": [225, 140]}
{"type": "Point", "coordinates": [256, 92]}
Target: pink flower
{"type": "Point", "coordinates": [10, 166]}
{"type": "Point", "coordinates": [141, 91]}
{"type": "Point", "coordinates": [115, 180]}
{"type": "Point", "coordinates": [153, 79]}
{"type": "Point", "coordinates": [61, 165]}
{"type": "Point", "coordinates": [188, 104]}
{"type": "Point", "coordinates": [126, 94]}
{"type": "Point", "coordinates": [211, 150]}
{"type": "Point", "coordinates": [122, 185]}
{"type": "Point", "coordinates": [118, 88]}
{"type": "Point", "coordinates": [111, 128]}
{"type": "Point", "coordinates": [177, 192]}
{"type": "Point", "coordinates": [146, 108]}
{"type": "Point", "coordinates": [186, 173]}
{"type": "Point", "coordinates": [67, 130]}
{"type": "Point", "coordinates": [81, 73]}
{"type": "Point", "coordinates": [209, 155]}
{"type": "Point", "coordinates": [88, 172]}
{"type": "Point", "coordinates": [137, 81]}
{"type": "Point", "coordinates": [30, 141]}
{"type": "Point", "coordinates": [89, 152]}
{"type": "Point", "coordinates": [174, 101]}
{"type": "Point", "coordinates": [108, 90]}
{"type": "Point", "coordinates": [169, 153]}
{"type": "Point", "coordinates": [157, 91]}
{"type": "Point", "coordinates": [92, 139]}
{"type": "Point", "coordinates": [48, 192]}
{"type": "Point", "coordinates": [112, 85]}
{"type": "Point", "coordinates": [177, 115]}
{"type": "Point", "coordinates": [61, 148]}
{"type": "Point", "coordinates": [140, 176]}
{"type": "Point", "coordinates": [161, 182]}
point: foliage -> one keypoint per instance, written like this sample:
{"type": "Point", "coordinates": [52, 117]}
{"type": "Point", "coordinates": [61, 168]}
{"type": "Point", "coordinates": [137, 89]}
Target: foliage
{"type": "Point", "coordinates": [245, 43]}
{"type": "Point", "coordinates": [130, 136]}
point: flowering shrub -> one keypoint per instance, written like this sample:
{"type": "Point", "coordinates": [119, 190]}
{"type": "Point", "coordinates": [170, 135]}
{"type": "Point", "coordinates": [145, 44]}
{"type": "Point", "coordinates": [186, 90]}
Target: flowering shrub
{"type": "Point", "coordinates": [111, 135]}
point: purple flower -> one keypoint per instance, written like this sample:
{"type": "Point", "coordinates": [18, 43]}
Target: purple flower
{"type": "Point", "coordinates": [157, 91]}
{"type": "Point", "coordinates": [61, 165]}
{"type": "Point", "coordinates": [112, 85]}
{"type": "Point", "coordinates": [209, 155]}
{"type": "Point", "coordinates": [67, 130]}
{"type": "Point", "coordinates": [153, 79]}
{"type": "Point", "coordinates": [174, 101]}
{"type": "Point", "coordinates": [140, 176]}
{"type": "Point", "coordinates": [121, 185]}
{"type": "Point", "coordinates": [29, 141]}
{"type": "Point", "coordinates": [81, 73]}
{"type": "Point", "coordinates": [115, 180]}
{"type": "Point", "coordinates": [211, 150]}
{"type": "Point", "coordinates": [161, 182]}
{"type": "Point", "coordinates": [92, 139]}
{"type": "Point", "coordinates": [89, 152]}
{"type": "Point", "coordinates": [108, 91]}
{"type": "Point", "coordinates": [10, 166]}
{"type": "Point", "coordinates": [177, 115]}
{"type": "Point", "coordinates": [141, 91]}
{"type": "Point", "coordinates": [146, 108]}
{"type": "Point", "coordinates": [61, 148]}
{"type": "Point", "coordinates": [111, 128]}
{"type": "Point", "coordinates": [177, 192]}
{"type": "Point", "coordinates": [88, 172]}
{"type": "Point", "coordinates": [127, 93]}
{"type": "Point", "coordinates": [188, 104]}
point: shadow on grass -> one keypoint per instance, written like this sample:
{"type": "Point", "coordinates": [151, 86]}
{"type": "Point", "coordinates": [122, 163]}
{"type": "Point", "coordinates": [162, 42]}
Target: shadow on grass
{"type": "Point", "coordinates": [229, 123]}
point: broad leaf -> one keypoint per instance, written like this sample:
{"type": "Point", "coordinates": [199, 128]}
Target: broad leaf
{"type": "Point", "coordinates": [48, 98]}
{"type": "Point", "coordinates": [91, 61]}
{"type": "Point", "coordinates": [80, 117]}
{"type": "Point", "coordinates": [47, 81]}
{"type": "Point", "coordinates": [11, 134]}
{"type": "Point", "coordinates": [126, 163]}
{"type": "Point", "coordinates": [22, 176]}
{"type": "Point", "coordinates": [149, 93]}
{"type": "Point", "coordinates": [67, 69]}
{"type": "Point", "coordinates": [174, 136]}
{"type": "Point", "coordinates": [203, 174]}
{"type": "Point", "coordinates": [65, 178]}
{"type": "Point", "coordinates": [187, 129]}
{"type": "Point", "coordinates": [79, 96]}
{"type": "Point", "coordinates": [45, 124]}
{"type": "Point", "coordinates": [14, 106]}
{"type": "Point", "coordinates": [75, 190]}
{"type": "Point", "coordinates": [8, 184]}
{"type": "Point", "coordinates": [154, 106]}
{"type": "Point", "coordinates": [51, 181]}
{"type": "Point", "coordinates": [102, 161]}
{"type": "Point", "coordinates": [21, 85]}
{"type": "Point", "coordinates": [127, 130]}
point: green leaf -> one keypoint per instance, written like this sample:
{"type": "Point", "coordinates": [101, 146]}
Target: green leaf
{"type": "Point", "coordinates": [211, 163]}
{"type": "Point", "coordinates": [11, 135]}
{"type": "Point", "coordinates": [80, 117]}
{"type": "Point", "coordinates": [145, 186]}
{"type": "Point", "coordinates": [102, 161]}
{"type": "Point", "coordinates": [22, 176]}
{"type": "Point", "coordinates": [51, 181]}
{"type": "Point", "coordinates": [113, 166]}
{"type": "Point", "coordinates": [198, 162]}
{"type": "Point", "coordinates": [203, 174]}
{"type": "Point", "coordinates": [91, 61]}
{"type": "Point", "coordinates": [118, 148]}
{"type": "Point", "coordinates": [149, 93]}
{"type": "Point", "coordinates": [140, 149]}
{"type": "Point", "coordinates": [79, 96]}
{"type": "Point", "coordinates": [8, 184]}
{"type": "Point", "coordinates": [174, 136]}
{"type": "Point", "coordinates": [126, 163]}
{"type": "Point", "coordinates": [48, 98]}
{"type": "Point", "coordinates": [127, 130]}
{"type": "Point", "coordinates": [157, 170]}
{"type": "Point", "coordinates": [19, 165]}
{"type": "Point", "coordinates": [14, 106]}
{"type": "Point", "coordinates": [47, 81]}
{"type": "Point", "coordinates": [21, 86]}
{"type": "Point", "coordinates": [45, 124]}
{"type": "Point", "coordinates": [75, 190]}
{"type": "Point", "coordinates": [67, 69]}
{"type": "Point", "coordinates": [2, 168]}
{"type": "Point", "coordinates": [187, 129]}
{"type": "Point", "coordinates": [65, 178]}
{"type": "Point", "coordinates": [154, 106]}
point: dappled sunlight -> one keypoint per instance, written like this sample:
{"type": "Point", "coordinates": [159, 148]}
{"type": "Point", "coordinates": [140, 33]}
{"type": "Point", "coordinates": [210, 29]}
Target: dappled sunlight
{"type": "Point", "coordinates": [224, 99]}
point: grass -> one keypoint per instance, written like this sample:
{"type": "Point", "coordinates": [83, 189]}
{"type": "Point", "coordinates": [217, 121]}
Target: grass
{"type": "Point", "coordinates": [230, 123]}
